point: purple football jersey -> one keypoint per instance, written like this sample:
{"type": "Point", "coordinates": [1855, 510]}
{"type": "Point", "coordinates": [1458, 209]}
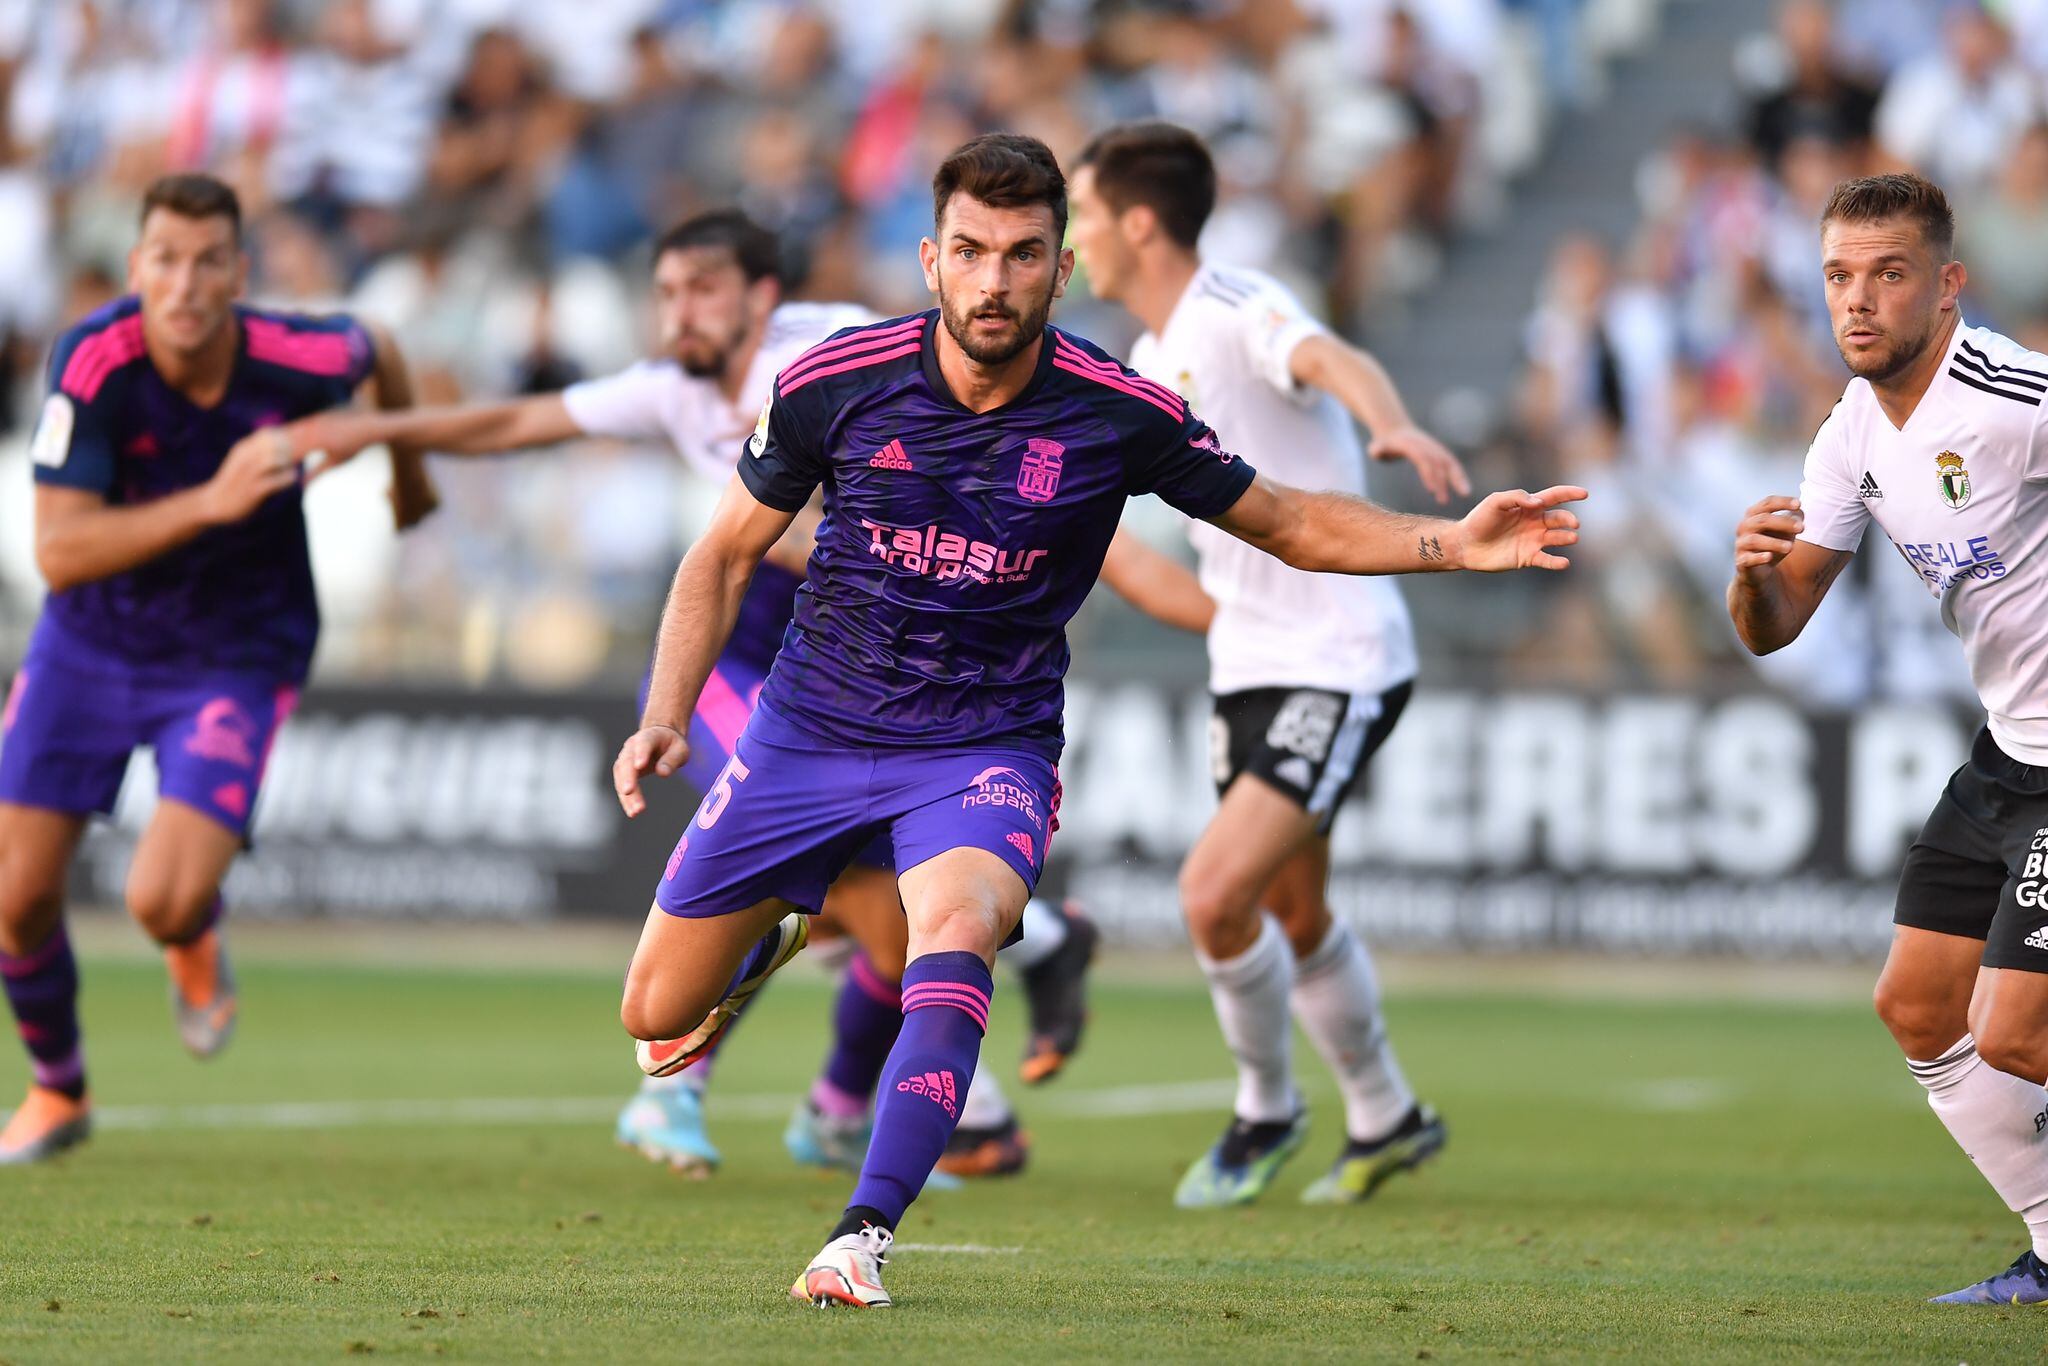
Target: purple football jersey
{"type": "Point", "coordinates": [956, 546]}
{"type": "Point", "coordinates": [237, 598]}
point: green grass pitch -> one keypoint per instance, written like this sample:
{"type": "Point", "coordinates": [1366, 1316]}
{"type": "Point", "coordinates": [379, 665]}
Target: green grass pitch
{"type": "Point", "coordinates": [1637, 1181]}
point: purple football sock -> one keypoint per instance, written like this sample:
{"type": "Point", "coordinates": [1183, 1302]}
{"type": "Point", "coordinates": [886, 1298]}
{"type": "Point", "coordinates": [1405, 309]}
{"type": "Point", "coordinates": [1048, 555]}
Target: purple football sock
{"type": "Point", "coordinates": [945, 1013]}
{"type": "Point", "coordinates": [758, 957]}
{"type": "Point", "coordinates": [865, 1023]}
{"type": "Point", "coordinates": [42, 990]}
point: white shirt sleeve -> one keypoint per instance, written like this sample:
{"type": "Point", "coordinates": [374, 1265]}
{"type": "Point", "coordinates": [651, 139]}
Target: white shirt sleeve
{"type": "Point", "coordinates": [626, 406]}
{"type": "Point", "coordinates": [1270, 325]}
{"type": "Point", "coordinates": [1836, 514]}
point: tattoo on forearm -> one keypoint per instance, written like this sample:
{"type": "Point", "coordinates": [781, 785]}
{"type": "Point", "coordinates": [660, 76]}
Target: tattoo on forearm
{"type": "Point", "coordinates": [1430, 548]}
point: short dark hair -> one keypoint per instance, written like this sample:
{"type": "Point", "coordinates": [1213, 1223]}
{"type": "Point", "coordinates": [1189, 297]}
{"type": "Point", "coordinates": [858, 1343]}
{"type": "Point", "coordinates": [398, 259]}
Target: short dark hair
{"type": "Point", "coordinates": [1004, 171]}
{"type": "Point", "coordinates": [1874, 198]}
{"type": "Point", "coordinates": [1161, 166]}
{"type": "Point", "coordinates": [756, 250]}
{"type": "Point", "coordinates": [192, 195]}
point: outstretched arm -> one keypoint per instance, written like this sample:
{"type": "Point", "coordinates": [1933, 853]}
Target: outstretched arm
{"type": "Point", "coordinates": [1157, 584]}
{"type": "Point", "coordinates": [413, 495]}
{"type": "Point", "coordinates": [1359, 382]}
{"type": "Point", "coordinates": [703, 602]}
{"type": "Point", "coordinates": [1779, 580]}
{"type": "Point", "coordinates": [337, 437]}
{"type": "Point", "coordinates": [1341, 534]}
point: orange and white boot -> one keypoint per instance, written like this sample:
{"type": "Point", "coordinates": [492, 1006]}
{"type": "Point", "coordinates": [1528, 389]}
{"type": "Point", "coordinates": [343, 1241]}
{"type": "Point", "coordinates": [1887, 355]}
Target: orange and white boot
{"type": "Point", "coordinates": [47, 1123]}
{"type": "Point", "coordinates": [847, 1272]}
{"type": "Point", "coordinates": [202, 993]}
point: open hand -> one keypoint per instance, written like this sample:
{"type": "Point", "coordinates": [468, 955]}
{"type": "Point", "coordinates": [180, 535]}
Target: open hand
{"type": "Point", "coordinates": [1518, 530]}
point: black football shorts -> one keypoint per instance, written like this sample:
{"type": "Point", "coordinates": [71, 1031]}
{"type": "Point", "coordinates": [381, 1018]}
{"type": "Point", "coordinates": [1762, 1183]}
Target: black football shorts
{"type": "Point", "coordinates": [1309, 743]}
{"type": "Point", "coordinates": [1980, 866]}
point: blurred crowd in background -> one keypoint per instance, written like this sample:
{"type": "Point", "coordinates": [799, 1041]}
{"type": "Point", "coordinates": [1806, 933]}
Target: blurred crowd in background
{"type": "Point", "coordinates": [483, 176]}
{"type": "Point", "coordinates": [1682, 371]}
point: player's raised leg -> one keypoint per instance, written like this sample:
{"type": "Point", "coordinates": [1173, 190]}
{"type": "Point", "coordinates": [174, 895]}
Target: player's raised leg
{"type": "Point", "coordinates": [1250, 966]}
{"type": "Point", "coordinates": [41, 980]}
{"type": "Point", "coordinates": [173, 892]}
{"type": "Point", "coordinates": [690, 975]}
{"type": "Point", "coordinates": [961, 905]}
{"type": "Point", "coordinates": [1336, 1000]}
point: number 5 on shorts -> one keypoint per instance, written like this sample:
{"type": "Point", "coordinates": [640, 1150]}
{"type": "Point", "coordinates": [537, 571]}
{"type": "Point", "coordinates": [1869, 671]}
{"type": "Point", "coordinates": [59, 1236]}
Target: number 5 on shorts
{"type": "Point", "coordinates": [721, 792]}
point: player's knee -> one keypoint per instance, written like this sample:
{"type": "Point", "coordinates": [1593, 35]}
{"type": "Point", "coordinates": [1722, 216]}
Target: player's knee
{"type": "Point", "coordinates": [1305, 923]}
{"type": "Point", "coordinates": [963, 926]}
{"type": "Point", "coordinates": [29, 909]}
{"type": "Point", "coordinates": [2016, 1052]}
{"type": "Point", "coordinates": [168, 912]}
{"type": "Point", "coordinates": [1217, 913]}
{"type": "Point", "coordinates": [644, 1017]}
{"type": "Point", "coordinates": [1925, 1024]}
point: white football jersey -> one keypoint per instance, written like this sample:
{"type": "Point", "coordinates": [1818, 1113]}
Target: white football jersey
{"type": "Point", "coordinates": [1226, 350]}
{"type": "Point", "coordinates": [655, 400]}
{"type": "Point", "coordinates": [1962, 490]}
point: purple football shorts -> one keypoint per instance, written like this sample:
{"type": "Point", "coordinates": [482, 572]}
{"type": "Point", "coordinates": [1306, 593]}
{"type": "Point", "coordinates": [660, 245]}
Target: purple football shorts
{"type": "Point", "coordinates": [68, 730]}
{"type": "Point", "coordinates": [787, 812]}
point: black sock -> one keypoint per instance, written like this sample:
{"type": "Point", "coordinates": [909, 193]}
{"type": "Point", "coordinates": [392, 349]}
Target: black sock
{"type": "Point", "coordinates": [858, 1217]}
{"type": "Point", "coordinates": [1410, 1123]}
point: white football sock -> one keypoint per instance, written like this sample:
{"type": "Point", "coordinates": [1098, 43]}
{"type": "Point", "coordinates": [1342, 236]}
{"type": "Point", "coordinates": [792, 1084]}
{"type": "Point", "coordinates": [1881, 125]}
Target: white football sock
{"type": "Point", "coordinates": [1250, 994]}
{"type": "Point", "coordinates": [986, 1107]}
{"type": "Point", "coordinates": [1337, 999]}
{"type": "Point", "coordinates": [1996, 1117]}
{"type": "Point", "coordinates": [689, 1079]}
{"type": "Point", "coordinates": [1044, 929]}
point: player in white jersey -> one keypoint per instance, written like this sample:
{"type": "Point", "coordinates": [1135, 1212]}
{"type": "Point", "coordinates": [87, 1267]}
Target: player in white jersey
{"type": "Point", "coordinates": [1309, 671]}
{"type": "Point", "coordinates": [1942, 440]}
{"type": "Point", "coordinates": [725, 332]}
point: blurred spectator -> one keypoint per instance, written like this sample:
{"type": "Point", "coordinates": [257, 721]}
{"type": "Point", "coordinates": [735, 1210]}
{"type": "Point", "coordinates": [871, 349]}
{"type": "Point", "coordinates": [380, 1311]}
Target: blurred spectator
{"type": "Point", "coordinates": [229, 99]}
{"type": "Point", "coordinates": [1814, 94]}
{"type": "Point", "coordinates": [1956, 112]}
{"type": "Point", "coordinates": [2002, 238]}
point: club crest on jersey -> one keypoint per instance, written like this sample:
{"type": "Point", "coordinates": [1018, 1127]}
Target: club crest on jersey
{"type": "Point", "coordinates": [1038, 477]}
{"type": "Point", "coordinates": [1952, 479]}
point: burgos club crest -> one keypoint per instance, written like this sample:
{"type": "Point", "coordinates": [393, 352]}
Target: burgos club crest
{"type": "Point", "coordinates": [1038, 478]}
{"type": "Point", "coordinates": [1952, 478]}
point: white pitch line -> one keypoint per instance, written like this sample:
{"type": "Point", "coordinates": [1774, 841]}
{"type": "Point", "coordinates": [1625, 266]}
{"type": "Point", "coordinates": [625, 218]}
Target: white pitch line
{"type": "Point", "coordinates": [969, 1249]}
{"type": "Point", "coordinates": [1115, 1102]}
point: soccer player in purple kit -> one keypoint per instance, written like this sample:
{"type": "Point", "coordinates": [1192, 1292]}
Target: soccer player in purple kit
{"type": "Point", "coordinates": [180, 616]}
{"type": "Point", "coordinates": [975, 463]}
{"type": "Point", "coordinates": [725, 330]}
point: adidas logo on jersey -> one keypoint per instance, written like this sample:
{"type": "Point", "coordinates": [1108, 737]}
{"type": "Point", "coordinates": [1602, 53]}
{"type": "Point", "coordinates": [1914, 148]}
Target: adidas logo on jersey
{"type": "Point", "coordinates": [1296, 770]}
{"type": "Point", "coordinates": [2038, 939]}
{"type": "Point", "coordinates": [1869, 488]}
{"type": "Point", "coordinates": [891, 457]}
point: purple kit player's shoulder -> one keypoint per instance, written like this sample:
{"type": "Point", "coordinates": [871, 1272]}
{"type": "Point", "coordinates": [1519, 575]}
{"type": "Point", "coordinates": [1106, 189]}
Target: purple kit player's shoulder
{"type": "Point", "coordinates": [856, 357]}
{"type": "Point", "coordinates": [1109, 385]}
{"type": "Point", "coordinates": [1166, 448]}
{"type": "Point", "coordinates": [334, 348]}
{"type": "Point", "coordinates": [96, 349]}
